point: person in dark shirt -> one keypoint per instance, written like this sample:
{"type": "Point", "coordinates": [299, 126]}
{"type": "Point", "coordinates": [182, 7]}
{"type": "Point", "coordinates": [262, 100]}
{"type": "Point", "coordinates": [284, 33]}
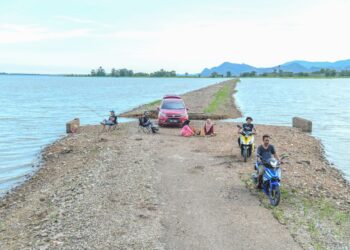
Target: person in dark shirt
{"type": "Point", "coordinates": [246, 127]}
{"type": "Point", "coordinates": [265, 151]}
{"type": "Point", "coordinates": [146, 122]}
{"type": "Point", "coordinates": [112, 120]}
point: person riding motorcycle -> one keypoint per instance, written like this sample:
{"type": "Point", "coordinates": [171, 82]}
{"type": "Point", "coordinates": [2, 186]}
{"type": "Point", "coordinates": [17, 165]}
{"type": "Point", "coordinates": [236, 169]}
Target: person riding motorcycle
{"type": "Point", "coordinates": [264, 151]}
{"type": "Point", "coordinates": [246, 127]}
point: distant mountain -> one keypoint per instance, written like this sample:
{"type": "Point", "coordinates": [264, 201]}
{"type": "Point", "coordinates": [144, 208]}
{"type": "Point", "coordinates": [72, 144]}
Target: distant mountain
{"type": "Point", "coordinates": [293, 66]}
{"type": "Point", "coordinates": [234, 68]}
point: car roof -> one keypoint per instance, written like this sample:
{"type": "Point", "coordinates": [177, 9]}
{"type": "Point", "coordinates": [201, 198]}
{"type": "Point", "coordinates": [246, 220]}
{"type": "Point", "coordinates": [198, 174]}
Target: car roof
{"type": "Point", "coordinates": [172, 97]}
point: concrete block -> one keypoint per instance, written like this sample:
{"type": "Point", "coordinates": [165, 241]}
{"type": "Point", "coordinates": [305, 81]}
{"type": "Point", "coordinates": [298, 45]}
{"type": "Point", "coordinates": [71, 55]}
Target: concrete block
{"type": "Point", "coordinates": [303, 124]}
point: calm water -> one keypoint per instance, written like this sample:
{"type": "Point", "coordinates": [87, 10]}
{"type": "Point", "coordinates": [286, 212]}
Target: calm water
{"type": "Point", "coordinates": [34, 110]}
{"type": "Point", "coordinates": [324, 101]}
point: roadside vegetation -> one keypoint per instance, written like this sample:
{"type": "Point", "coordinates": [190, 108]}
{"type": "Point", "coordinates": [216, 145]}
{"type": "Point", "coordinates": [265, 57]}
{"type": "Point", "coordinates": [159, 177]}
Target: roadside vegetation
{"type": "Point", "coordinates": [220, 99]}
{"type": "Point", "coordinates": [152, 105]}
{"type": "Point", "coordinates": [323, 73]}
{"type": "Point", "coordinates": [101, 72]}
{"type": "Point", "coordinates": [214, 102]}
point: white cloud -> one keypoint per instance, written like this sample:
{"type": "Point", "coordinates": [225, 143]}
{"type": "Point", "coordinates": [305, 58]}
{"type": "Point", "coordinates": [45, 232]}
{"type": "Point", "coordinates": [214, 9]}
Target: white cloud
{"type": "Point", "coordinates": [83, 21]}
{"type": "Point", "coordinates": [195, 39]}
{"type": "Point", "coordinates": [14, 33]}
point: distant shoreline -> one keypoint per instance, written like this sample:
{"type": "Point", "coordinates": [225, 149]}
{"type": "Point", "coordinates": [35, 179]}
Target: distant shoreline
{"type": "Point", "coordinates": [190, 77]}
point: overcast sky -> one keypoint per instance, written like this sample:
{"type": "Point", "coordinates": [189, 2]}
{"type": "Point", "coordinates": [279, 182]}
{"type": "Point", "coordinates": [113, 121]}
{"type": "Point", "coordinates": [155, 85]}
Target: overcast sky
{"type": "Point", "coordinates": [74, 36]}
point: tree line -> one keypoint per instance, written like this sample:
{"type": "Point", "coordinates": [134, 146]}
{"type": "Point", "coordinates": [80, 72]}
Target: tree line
{"type": "Point", "coordinates": [101, 72]}
{"type": "Point", "coordinates": [281, 73]}
{"type": "Point", "coordinates": [130, 73]}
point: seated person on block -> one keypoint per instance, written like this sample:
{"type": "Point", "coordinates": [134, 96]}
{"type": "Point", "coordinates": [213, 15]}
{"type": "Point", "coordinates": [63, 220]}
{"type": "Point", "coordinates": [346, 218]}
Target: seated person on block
{"type": "Point", "coordinates": [112, 121]}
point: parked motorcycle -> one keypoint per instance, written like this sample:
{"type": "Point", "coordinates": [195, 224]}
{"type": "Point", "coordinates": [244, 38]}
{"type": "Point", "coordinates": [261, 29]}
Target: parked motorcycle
{"type": "Point", "coordinates": [246, 142]}
{"type": "Point", "coordinates": [271, 179]}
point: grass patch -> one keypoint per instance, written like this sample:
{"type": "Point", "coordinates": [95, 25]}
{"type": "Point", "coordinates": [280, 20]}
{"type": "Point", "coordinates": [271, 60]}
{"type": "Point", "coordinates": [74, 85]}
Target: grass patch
{"type": "Point", "coordinates": [311, 227]}
{"type": "Point", "coordinates": [152, 104]}
{"type": "Point", "coordinates": [2, 227]}
{"type": "Point", "coordinates": [327, 210]}
{"type": "Point", "coordinates": [156, 102]}
{"type": "Point", "coordinates": [54, 216]}
{"type": "Point", "coordinates": [315, 222]}
{"type": "Point", "coordinates": [221, 97]}
{"type": "Point", "coordinates": [278, 214]}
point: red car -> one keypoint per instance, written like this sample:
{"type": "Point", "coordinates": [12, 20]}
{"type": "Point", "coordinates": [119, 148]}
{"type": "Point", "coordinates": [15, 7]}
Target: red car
{"type": "Point", "coordinates": [172, 111]}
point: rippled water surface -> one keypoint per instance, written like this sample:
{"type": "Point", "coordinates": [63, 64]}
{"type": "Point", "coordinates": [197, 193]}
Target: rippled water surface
{"type": "Point", "coordinates": [324, 101]}
{"type": "Point", "coordinates": [34, 110]}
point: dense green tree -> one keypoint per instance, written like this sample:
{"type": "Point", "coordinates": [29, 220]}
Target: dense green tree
{"type": "Point", "coordinates": [114, 72]}
{"type": "Point", "coordinates": [302, 74]}
{"type": "Point", "coordinates": [214, 74]}
{"type": "Point", "coordinates": [100, 72]}
{"type": "Point", "coordinates": [140, 74]}
{"type": "Point", "coordinates": [163, 73]}
{"type": "Point", "coordinates": [344, 73]}
{"type": "Point", "coordinates": [330, 73]}
{"type": "Point", "coordinates": [248, 74]}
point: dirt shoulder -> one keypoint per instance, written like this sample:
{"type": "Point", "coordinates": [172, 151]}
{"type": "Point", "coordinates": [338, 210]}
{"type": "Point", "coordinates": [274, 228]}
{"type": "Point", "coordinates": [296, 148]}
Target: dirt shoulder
{"type": "Point", "coordinates": [315, 196]}
{"type": "Point", "coordinates": [214, 101]}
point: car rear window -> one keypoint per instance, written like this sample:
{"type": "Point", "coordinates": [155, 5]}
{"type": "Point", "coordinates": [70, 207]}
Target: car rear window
{"type": "Point", "coordinates": [167, 104]}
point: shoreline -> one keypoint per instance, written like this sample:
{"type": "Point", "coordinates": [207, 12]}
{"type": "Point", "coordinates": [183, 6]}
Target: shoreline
{"type": "Point", "coordinates": [123, 170]}
{"type": "Point", "coordinates": [129, 114]}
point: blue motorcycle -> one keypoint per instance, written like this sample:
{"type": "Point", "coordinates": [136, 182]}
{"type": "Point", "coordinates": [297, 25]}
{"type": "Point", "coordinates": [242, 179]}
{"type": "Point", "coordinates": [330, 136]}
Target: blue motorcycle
{"type": "Point", "coordinates": [271, 179]}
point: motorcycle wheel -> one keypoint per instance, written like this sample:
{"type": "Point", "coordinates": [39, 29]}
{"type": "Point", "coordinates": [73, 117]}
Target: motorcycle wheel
{"type": "Point", "coordinates": [245, 155]}
{"type": "Point", "coordinates": [275, 196]}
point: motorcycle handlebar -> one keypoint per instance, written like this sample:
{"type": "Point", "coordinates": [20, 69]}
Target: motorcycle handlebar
{"type": "Point", "coordinates": [242, 133]}
{"type": "Point", "coordinates": [265, 162]}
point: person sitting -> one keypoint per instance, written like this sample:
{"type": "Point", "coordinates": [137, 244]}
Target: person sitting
{"type": "Point", "coordinates": [208, 128]}
{"type": "Point", "coordinates": [146, 122]}
{"type": "Point", "coordinates": [186, 130]}
{"type": "Point", "coordinates": [112, 121]}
